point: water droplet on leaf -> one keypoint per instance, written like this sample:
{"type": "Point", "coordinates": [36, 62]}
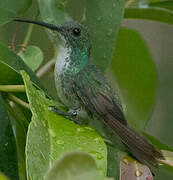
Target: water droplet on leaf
{"type": "Point", "coordinates": [89, 128]}
{"type": "Point", "coordinates": [109, 32]}
{"type": "Point", "coordinates": [138, 173]}
{"type": "Point", "coordinates": [52, 133]}
{"type": "Point", "coordinates": [99, 18]}
{"type": "Point", "coordinates": [80, 129]}
{"type": "Point", "coordinates": [98, 140]}
{"type": "Point", "coordinates": [60, 142]}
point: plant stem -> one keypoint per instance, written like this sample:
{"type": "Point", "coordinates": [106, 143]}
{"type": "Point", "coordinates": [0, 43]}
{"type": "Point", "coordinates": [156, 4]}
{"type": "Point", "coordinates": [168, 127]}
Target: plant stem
{"type": "Point", "coordinates": [16, 112]}
{"type": "Point", "coordinates": [12, 88]}
{"type": "Point", "coordinates": [18, 101]}
{"type": "Point", "coordinates": [107, 141]}
{"type": "Point", "coordinates": [128, 3]}
{"type": "Point", "coordinates": [14, 36]}
{"type": "Point", "coordinates": [45, 69]}
{"type": "Point", "coordinates": [28, 35]}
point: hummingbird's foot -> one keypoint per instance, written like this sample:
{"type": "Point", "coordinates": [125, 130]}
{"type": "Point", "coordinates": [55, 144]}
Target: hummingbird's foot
{"type": "Point", "coordinates": [71, 114]}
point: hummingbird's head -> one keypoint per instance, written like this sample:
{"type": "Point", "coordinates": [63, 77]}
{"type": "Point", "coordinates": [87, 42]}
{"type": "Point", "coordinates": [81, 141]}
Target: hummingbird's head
{"type": "Point", "coordinates": [73, 33]}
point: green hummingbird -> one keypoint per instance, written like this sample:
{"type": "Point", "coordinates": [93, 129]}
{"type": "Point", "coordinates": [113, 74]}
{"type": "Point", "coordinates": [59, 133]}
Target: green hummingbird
{"type": "Point", "coordinates": [82, 87]}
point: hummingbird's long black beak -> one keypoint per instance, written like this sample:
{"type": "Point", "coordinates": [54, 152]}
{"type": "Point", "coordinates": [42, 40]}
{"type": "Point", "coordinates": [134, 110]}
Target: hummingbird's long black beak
{"type": "Point", "coordinates": [49, 26]}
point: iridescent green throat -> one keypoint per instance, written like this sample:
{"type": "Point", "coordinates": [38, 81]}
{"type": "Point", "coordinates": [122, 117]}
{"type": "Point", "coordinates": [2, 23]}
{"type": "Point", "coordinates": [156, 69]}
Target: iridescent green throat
{"type": "Point", "coordinates": [78, 58]}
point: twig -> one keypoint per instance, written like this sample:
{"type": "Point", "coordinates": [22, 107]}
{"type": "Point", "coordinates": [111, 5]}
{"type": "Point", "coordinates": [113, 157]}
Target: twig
{"type": "Point", "coordinates": [16, 112]}
{"type": "Point", "coordinates": [14, 37]}
{"type": "Point", "coordinates": [12, 88]}
{"type": "Point", "coordinates": [127, 4]}
{"type": "Point", "coordinates": [45, 69]}
{"type": "Point", "coordinates": [108, 141]}
{"type": "Point", "coordinates": [18, 101]}
{"type": "Point", "coordinates": [28, 35]}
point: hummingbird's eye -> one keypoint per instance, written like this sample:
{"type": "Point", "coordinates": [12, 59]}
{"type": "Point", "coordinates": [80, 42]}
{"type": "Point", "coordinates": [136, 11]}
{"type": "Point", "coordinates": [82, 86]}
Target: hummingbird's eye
{"type": "Point", "coordinates": [76, 32]}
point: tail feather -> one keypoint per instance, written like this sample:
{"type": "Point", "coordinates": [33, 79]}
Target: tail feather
{"type": "Point", "coordinates": [139, 146]}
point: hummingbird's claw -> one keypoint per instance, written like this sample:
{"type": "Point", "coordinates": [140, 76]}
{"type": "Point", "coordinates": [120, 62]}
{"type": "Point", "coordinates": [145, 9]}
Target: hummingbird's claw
{"type": "Point", "coordinates": [71, 114]}
{"type": "Point", "coordinates": [56, 110]}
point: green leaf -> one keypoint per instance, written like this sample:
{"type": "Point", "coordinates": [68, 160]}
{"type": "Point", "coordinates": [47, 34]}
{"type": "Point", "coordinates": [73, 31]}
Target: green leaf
{"type": "Point", "coordinates": [8, 154]}
{"type": "Point", "coordinates": [32, 56]}
{"type": "Point", "coordinates": [103, 23]}
{"type": "Point", "coordinates": [3, 177]}
{"type": "Point", "coordinates": [168, 157]}
{"type": "Point", "coordinates": [20, 125]}
{"type": "Point", "coordinates": [156, 142]}
{"type": "Point", "coordinates": [151, 10]}
{"type": "Point", "coordinates": [103, 20]}
{"type": "Point", "coordinates": [49, 136]}
{"type": "Point", "coordinates": [76, 9]}
{"type": "Point", "coordinates": [166, 4]}
{"type": "Point", "coordinates": [10, 65]}
{"type": "Point", "coordinates": [113, 162]}
{"type": "Point", "coordinates": [166, 165]}
{"type": "Point", "coordinates": [74, 165]}
{"type": "Point", "coordinates": [136, 74]}
{"type": "Point", "coordinates": [53, 11]}
{"type": "Point", "coordinates": [11, 9]}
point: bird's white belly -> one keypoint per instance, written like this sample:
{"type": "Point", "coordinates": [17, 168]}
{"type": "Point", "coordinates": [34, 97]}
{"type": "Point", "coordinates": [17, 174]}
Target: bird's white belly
{"type": "Point", "coordinates": [60, 67]}
{"type": "Point", "coordinates": [63, 80]}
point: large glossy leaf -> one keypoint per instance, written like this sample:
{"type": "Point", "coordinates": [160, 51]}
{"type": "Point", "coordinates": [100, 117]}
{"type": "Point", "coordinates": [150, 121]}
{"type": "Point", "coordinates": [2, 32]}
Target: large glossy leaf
{"type": "Point", "coordinates": [103, 21]}
{"type": "Point", "coordinates": [74, 166]}
{"type": "Point", "coordinates": [136, 75]}
{"type": "Point", "coordinates": [10, 9]}
{"type": "Point", "coordinates": [165, 170]}
{"type": "Point", "coordinates": [32, 56]}
{"type": "Point", "coordinates": [3, 177]}
{"type": "Point", "coordinates": [8, 154]}
{"type": "Point", "coordinates": [53, 12]}
{"type": "Point", "coordinates": [101, 17]}
{"type": "Point", "coordinates": [49, 136]}
{"type": "Point", "coordinates": [159, 10]}
{"type": "Point", "coordinates": [157, 143]}
{"type": "Point", "coordinates": [10, 65]}
{"type": "Point", "coordinates": [160, 125]}
{"type": "Point", "coordinates": [113, 162]}
{"type": "Point", "coordinates": [20, 125]}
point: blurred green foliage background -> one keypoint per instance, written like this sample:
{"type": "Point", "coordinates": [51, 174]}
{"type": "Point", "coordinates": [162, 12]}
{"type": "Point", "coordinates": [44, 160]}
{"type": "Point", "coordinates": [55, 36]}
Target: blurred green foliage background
{"type": "Point", "coordinates": [137, 58]}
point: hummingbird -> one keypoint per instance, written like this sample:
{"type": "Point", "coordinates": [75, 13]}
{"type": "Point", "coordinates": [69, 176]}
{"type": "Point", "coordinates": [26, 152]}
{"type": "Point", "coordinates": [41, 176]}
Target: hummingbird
{"type": "Point", "coordinates": [83, 89]}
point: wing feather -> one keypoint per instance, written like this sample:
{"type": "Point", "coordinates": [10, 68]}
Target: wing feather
{"type": "Point", "coordinates": [96, 96]}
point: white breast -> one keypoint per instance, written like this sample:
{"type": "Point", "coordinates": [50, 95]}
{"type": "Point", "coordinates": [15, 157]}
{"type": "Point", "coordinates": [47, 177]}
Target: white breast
{"type": "Point", "coordinates": [62, 63]}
